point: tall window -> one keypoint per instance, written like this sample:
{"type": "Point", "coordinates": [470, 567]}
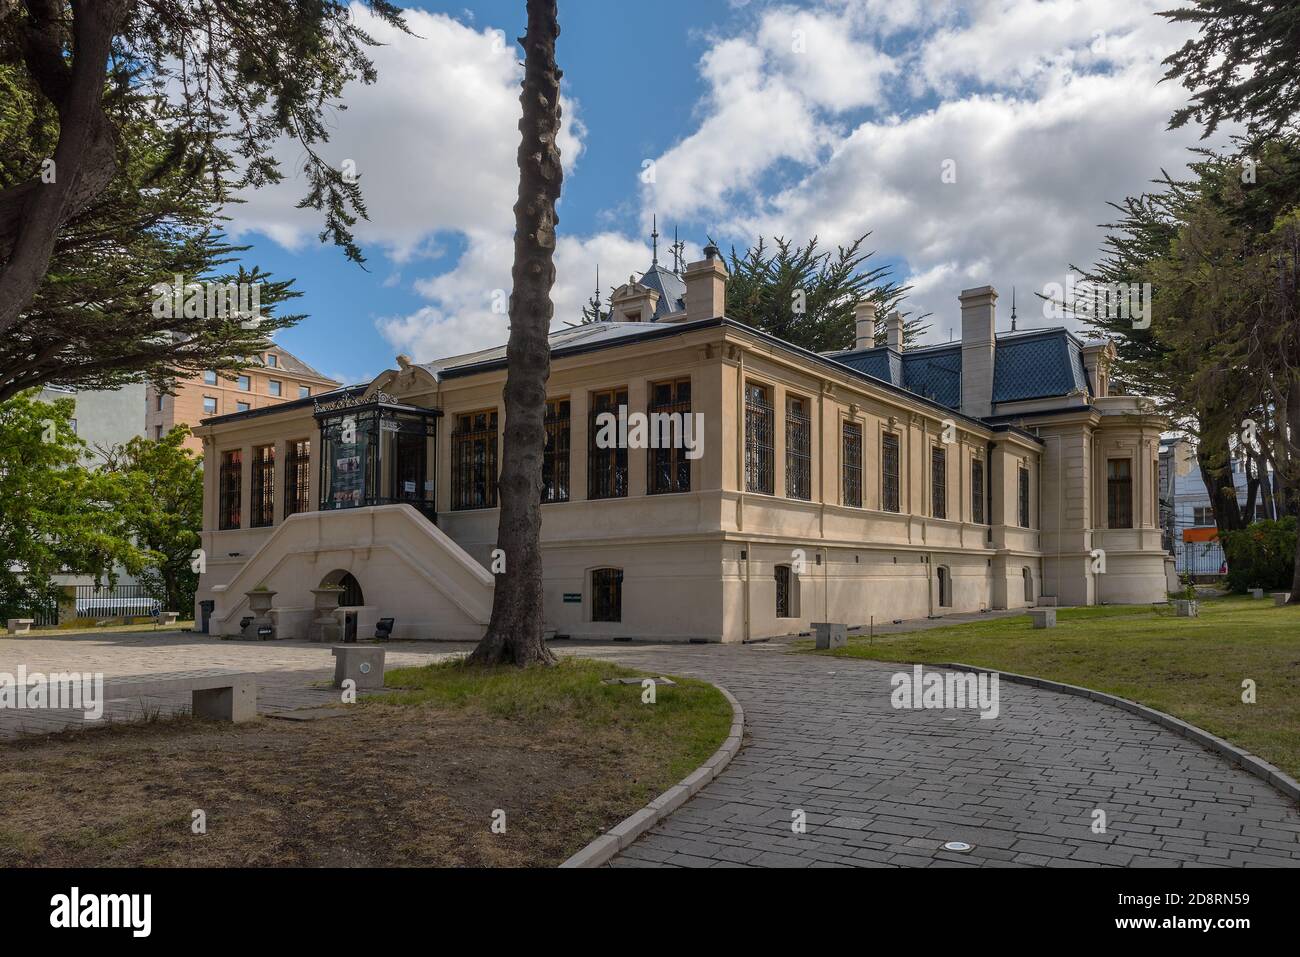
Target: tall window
{"type": "Point", "coordinates": [263, 486]}
{"type": "Point", "coordinates": [231, 482]}
{"type": "Point", "coordinates": [607, 594]}
{"type": "Point", "coordinates": [474, 460]}
{"type": "Point", "coordinates": [760, 442]}
{"type": "Point", "coordinates": [938, 482]}
{"type": "Point", "coordinates": [1023, 497]}
{"type": "Point", "coordinates": [889, 471]}
{"type": "Point", "coordinates": [787, 598]}
{"type": "Point", "coordinates": [555, 460]}
{"type": "Point", "coordinates": [272, 360]}
{"type": "Point", "coordinates": [274, 386]}
{"type": "Point", "coordinates": [977, 491]}
{"type": "Point", "coordinates": [304, 391]}
{"type": "Point", "coordinates": [297, 478]}
{"type": "Point", "coordinates": [851, 467]}
{"type": "Point", "coordinates": [670, 469]}
{"type": "Point", "coordinates": [210, 377]}
{"type": "Point", "coordinates": [1119, 493]}
{"type": "Point", "coordinates": [245, 383]}
{"type": "Point", "coordinates": [798, 441]}
{"type": "Point", "coordinates": [606, 467]}
{"type": "Point", "coordinates": [210, 405]}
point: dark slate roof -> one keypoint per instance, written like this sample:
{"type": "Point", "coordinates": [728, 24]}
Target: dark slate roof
{"type": "Point", "coordinates": [1037, 365]}
{"type": "Point", "coordinates": [671, 289]}
{"type": "Point", "coordinates": [1041, 363]}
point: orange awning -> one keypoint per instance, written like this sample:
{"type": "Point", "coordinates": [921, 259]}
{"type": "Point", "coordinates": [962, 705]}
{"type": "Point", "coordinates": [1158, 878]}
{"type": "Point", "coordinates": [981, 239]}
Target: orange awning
{"type": "Point", "coordinates": [1200, 534]}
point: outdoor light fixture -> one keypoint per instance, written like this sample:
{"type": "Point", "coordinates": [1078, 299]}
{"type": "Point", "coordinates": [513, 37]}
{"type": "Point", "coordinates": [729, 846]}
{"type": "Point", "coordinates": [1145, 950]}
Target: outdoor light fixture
{"type": "Point", "coordinates": [960, 847]}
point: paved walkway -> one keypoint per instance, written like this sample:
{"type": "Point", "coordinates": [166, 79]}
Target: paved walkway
{"type": "Point", "coordinates": [878, 786]}
{"type": "Point", "coordinates": [885, 787]}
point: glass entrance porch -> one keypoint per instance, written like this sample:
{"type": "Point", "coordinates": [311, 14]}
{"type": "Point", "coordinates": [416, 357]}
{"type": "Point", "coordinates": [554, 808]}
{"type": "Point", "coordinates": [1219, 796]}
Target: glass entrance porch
{"type": "Point", "coordinates": [377, 452]}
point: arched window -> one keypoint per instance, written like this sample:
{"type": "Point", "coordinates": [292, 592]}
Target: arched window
{"type": "Point", "coordinates": [607, 594]}
{"type": "Point", "coordinates": [1029, 584]}
{"type": "Point", "coordinates": [945, 587]}
{"type": "Point", "coordinates": [352, 596]}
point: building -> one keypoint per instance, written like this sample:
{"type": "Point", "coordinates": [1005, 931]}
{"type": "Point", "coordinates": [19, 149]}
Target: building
{"type": "Point", "coordinates": [1189, 529]}
{"type": "Point", "coordinates": [278, 376]}
{"type": "Point", "coordinates": [878, 483]}
{"type": "Point", "coordinates": [103, 418]}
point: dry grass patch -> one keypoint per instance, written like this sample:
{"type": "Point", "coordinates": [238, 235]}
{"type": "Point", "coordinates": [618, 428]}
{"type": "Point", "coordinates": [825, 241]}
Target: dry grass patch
{"type": "Point", "coordinates": [409, 779]}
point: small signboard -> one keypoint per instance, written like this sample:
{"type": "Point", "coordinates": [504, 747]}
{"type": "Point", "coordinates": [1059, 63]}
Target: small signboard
{"type": "Point", "coordinates": [573, 598]}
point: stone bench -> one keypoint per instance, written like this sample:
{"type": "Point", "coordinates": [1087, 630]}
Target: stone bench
{"type": "Point", "coordinates": [1043, 617]}
{"type": "Point", "coordinates": [830, 635]}
{"type": "Point", "coordinates": [20, 626]}
{"type": "Point", "coordinates": [364, 664]}
{"type": "Point", "coordinates": [214, 693]}
{"type": "Point", "coordinates": [168, 617]}
{"type": "Point", "coordinates": [1281, 598]}
{"type": "Point", "coordinates": [1256, 593]}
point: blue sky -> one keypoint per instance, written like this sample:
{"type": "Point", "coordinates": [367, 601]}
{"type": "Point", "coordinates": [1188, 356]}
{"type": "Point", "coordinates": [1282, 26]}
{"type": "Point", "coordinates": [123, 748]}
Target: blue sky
{"type": "Point", "coordinates": [827, 117]}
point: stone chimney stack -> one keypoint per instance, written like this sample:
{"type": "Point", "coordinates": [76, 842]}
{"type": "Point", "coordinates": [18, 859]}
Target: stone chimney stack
{"type": "Point", "coordinates": [1098, 355]}
{"type": "Point", "coordinates": [864, 315]}
{"type": "Point", "coordinates": [706, 287]}
{"type": "Point", "coordinates": [978, 322]}
{"type": "Point", "coordinates": [894, 331]}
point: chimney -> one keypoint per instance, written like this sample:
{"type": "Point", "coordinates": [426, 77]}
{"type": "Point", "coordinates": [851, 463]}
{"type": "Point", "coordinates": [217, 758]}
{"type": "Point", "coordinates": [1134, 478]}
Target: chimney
{"type": "Point", "coordinates": [864, 315]}
{"type": "Point", "coordinates": [894, 331]}
{"type": "Point", "coordinates": [706, 287]}
{"type": "Point", "coordinates": [978, 321]}
{"type": "Point", "coordinates": [633, 302]}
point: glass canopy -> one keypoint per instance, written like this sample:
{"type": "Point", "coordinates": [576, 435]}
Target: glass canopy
{"type": "Point", "coordinates": [377, 451]}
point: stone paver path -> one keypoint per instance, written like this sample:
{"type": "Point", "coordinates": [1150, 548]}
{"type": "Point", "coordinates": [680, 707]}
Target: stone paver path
{"type": "Point", "coordinates": [885, 787]}
{"type": "Point", "coordinates": [878, 786]}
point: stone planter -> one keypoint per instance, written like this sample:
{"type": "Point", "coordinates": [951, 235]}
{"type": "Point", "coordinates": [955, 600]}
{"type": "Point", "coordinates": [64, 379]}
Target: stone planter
{"type": "Point", "coordinates": [325, 624]}
{"type": "Point", "coordinates": [830, 635]}
{"type": "Point", "coordinates": [259, 603]}
{"type": "Point", "coordinates": [1186, 609]}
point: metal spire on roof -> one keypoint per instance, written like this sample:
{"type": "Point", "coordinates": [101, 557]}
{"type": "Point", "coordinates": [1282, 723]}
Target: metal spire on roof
{"type": "Point", "coordinates": [679, 253]}
{"type": "Point", "coordinates": [1013, 308]}
{"type": "Point", "coordinates": [654, 239]}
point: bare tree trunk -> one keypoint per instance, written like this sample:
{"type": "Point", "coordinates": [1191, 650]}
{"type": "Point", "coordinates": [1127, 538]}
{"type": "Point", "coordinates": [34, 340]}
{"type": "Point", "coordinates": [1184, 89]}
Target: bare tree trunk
{"type": "Point", "coordinates": [84, 159]}
{"type": "Point", "coordinates": [515, 634]}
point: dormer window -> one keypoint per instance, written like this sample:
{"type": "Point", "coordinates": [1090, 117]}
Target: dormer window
{"type": "Point", "coordinates": [272, 360]}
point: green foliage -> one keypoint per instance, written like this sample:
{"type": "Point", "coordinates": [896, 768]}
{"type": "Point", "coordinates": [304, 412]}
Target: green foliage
{"type": "Point", "coordinates": [56, 513]}
{"type": "Point", "coordinates": [91, 323]}
{"type": "Point", "coordinates": [160, 488]}
{"type": "Point", "coordinates": [1261, 555]}
{"type": "Point", "coordinates": [806, 295]}
{"type": "Point", "coordinates": [1240, 66]}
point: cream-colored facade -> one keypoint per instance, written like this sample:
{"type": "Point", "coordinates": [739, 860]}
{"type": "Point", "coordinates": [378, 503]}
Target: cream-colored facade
{"type": "Point", "coordinates": [1002, 509]}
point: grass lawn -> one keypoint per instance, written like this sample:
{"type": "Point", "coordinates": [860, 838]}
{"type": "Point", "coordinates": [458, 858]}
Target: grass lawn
{"type": "Point", "coordinates": [409, 778]}
{"type": "Point", "coordinates": [1189, 667]}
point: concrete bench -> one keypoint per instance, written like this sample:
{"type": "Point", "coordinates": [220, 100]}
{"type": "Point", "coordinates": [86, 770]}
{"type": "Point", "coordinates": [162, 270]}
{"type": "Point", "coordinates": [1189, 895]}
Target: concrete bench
{"type": "Point", "coordinates": [214, 693]}
{"type": "Point", "coordinates": [168, 617]}
{"type": "Point", "coordinates": [1043, 617]}
{"type": "Point", "coordinates": [364, 664]}
{"type": "Point", "coordinates": [20, 626]}
{"type": "Point", "coordinates": [1280, 598]}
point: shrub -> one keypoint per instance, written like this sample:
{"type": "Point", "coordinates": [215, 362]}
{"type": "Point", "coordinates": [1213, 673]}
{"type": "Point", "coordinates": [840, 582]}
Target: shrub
{"type": "Point", "coordinates": [1261, 556]}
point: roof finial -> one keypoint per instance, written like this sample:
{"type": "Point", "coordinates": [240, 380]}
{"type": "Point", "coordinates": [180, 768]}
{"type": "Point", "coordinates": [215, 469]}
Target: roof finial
{"type": "Point", "coordinates": [654, 239]}
{"type": "Point", "coordinates": [679, 253]}
{"type": "Point", "coordinates": [1013, 308]}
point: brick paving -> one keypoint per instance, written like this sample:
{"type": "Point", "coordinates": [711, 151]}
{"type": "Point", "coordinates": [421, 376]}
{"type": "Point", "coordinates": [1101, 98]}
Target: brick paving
{"type": "Point", "coordinates": [883, 787]}
{"type": "Point", "coordinates": [879, 787]}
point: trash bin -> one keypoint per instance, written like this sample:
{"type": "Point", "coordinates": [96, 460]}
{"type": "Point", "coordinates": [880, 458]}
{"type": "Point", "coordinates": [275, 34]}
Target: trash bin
{"type": "Point", "coordinates": [205, 613]}
{"type": "Point", "coordinates": [350, 627]}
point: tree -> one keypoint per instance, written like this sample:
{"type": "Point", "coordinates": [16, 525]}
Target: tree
{"type": "Point", "coordinates": [1240, 66]}
{"type": "Point", "coordinates": [56, 514]}
{"type": "Point", "coordinates": [807, 296]}
{"type": "Point", "coordinates": [94, 321]}
{"type": "Point", "coordinates": [161, 505]}
{"type": "Point", "coordinates": [225, 78]}
{"type": "Point", "coordinates": [514, 634]}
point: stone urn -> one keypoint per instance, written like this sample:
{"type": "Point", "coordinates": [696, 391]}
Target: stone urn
{"type": "Point", "coordinates": [325, 624]}
{"type": "Point", "coordinates": [259, 603]}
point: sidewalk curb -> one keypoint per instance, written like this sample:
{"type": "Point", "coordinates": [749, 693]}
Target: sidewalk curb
{"type": "Point", "coordinates": [621, 835]}
{"type": "Point", "coordinates": [1248, 762]}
